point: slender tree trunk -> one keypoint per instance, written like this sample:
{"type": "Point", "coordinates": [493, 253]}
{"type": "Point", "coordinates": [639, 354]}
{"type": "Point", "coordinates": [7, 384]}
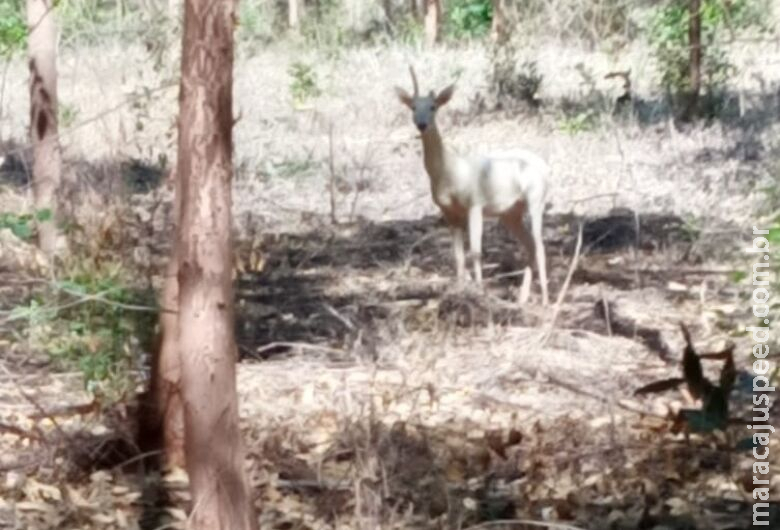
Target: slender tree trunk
{"type": "Point", "coordinates": [387, 7]}
{"type": "Point", "coordinates": [694, 42]}
{"type": "Point", "coordinates": [292, 14]}
{"type": "Point", "coordinates": [47, 157]}
{"type": "Point", "coordinates": [213, 446]}
{"type": "Point", "coordinates": [414, 9]}
{"type": "Point", "coordinates": [432, 21]}
{"type": "Point", "coordinates": [498, 25]}
{"type": "Point", "coordinates": [162, 418]}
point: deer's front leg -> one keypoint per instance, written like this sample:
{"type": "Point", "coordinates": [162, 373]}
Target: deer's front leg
{"type": "Point", "coordinates": [475, 241]}
{"type": "Point", "coordinates": [459, 253]}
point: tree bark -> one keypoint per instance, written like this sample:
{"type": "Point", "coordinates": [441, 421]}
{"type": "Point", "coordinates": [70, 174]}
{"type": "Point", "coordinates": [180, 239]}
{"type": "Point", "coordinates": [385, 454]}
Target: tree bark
{"type": "Point", "coordinates": [414, 9]}
{"type": "Point", "coordinates": [498, 24]}
{"type": "Point", "coordinates": [292, 14]}
{"type": "Point", "coordinates": [213, 445]}
{"type": "Point", "coordinates": [432, 21]}
{"type": "Point", "coordinates": [47, 157]}
{"type": "Point", "coordinates": [694, 42]}
{"type": "Point", "coordinates": [162, 417]}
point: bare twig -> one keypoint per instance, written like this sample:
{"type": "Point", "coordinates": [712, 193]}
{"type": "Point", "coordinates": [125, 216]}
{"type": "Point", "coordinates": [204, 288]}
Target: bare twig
{"type": "Point", "coordinates": [332, 183]}
{"type": "Point", "coordinates": [527, 522]}
{"type": "Point", "coordinates": [300, 345]}
{"type": "Point", "coordinates": [571, 387]}
{"type": "Point", "coordinates": [565, 288]}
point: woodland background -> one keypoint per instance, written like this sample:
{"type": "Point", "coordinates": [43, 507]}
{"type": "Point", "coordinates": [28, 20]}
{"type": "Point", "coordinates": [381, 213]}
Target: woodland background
{"type": "Point", "coordinates": [370, 395]}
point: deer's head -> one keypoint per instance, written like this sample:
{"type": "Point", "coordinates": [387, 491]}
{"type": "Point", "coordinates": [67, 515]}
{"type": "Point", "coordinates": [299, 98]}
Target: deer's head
{"type": "Point", "coordinates": [424, 107]}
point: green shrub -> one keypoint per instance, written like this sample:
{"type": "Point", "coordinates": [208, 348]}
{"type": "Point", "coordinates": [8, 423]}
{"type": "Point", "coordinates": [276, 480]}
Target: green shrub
{"type": "Point", "coordinates": [23, 225]}
{"type": "Point", "coordinates": [13, 28]}
{"type": "Point", "coordinates": [257, 21]}
{"type": "Point", "coordinates": [469, 18]}
{"type": "Point", "coordinates": [303, 85]}
{"type": "Point", "coordinates": [92, 320]}
{"type": "Point", "coordinates": [668, 34]}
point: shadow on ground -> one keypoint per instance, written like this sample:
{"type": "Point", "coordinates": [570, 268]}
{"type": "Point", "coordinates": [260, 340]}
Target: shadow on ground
{"type": "Point", "coordinates": [328, 286]}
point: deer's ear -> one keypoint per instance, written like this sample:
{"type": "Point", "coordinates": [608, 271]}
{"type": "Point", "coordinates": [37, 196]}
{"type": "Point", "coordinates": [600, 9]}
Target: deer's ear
{"type": "Point", "coordinates": [445, 95]}
{"type": "Point", "coordinates": [404, 96]}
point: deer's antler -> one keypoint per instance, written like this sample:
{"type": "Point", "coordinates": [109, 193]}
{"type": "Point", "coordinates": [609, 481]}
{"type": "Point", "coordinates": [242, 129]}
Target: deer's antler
{"type": "Point", "coordinates": [414, 80]}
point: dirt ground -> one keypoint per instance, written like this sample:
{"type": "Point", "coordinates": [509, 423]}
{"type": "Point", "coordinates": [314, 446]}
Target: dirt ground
{"type": "Point", "coordinates": [374, 394]}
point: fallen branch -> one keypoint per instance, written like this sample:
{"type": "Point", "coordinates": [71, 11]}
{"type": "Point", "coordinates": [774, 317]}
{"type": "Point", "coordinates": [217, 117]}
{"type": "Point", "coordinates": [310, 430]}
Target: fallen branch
{"type": "Point", "coordinates": [565, 288]}
{"type": "Point", "coordinates": [527, 522]}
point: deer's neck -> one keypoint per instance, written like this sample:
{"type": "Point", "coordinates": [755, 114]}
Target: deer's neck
{"type": "Point", "coordinates": [434, 156]}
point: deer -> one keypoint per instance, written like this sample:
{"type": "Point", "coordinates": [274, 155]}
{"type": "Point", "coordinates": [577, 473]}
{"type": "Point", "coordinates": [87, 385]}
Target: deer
{"type": "Point", "coordinates": [507, 184]}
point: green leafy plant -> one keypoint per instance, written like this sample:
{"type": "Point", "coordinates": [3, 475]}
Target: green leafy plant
{"type": "Point", "coordinates": [582, 121]}
{"type": "Point", "coordinates": [668, 35]}
{"type": "Point", "coordinates": [92, 320]}
{"type": "Point", "coordinates": [325, 27]}
{"type": "Point", "coordinates": [23, 225]}
{"type": "Point", "coordinates": [13, 28]}
{"type": "Point", "coordinates": [303, 85]}
{"type": "Point", "coordinates": [67, 114]}
{"type": "Point", "coordinates": [469, 18]}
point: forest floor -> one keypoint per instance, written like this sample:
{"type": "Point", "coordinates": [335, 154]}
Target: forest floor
{"type": "Point", "coordinates": [372, 393]}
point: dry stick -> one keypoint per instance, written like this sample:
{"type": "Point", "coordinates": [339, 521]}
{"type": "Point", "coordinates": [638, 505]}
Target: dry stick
{"type": "Point", "coordinates": [83, 299]}
{"type": "Point", "coordinates": [565, 288]}
{"type": "Point", "coordinates": [607, 315]}
{"type": "Point", "coordinates": [301, 345]}
{"type": "Point", "coordinates": [332, 168]}
{"type": "Point", "coordinates": [571, 387]}
{"type": "Point", "coordinates": [527, 522]}
{"type": "Point", "coordinates": [68, 439]}
{"type": "Point", "coordinates": [18, 431]}
{"type": "Point", "coordinates": [589, 198]}
{"type": "Point", "coordinates": [338, 316]}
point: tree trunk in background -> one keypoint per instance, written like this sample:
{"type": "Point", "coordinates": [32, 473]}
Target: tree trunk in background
{"type": "Point", "coordinates": [162, 418]}
{"type": "Point", "coordinates": [213, 445]}
{"type": "Point", "coordinates": [694, 42]}
{"type": "Point", "coordinates": [498, 25]}
{"type": "Point", "coordinates": [432, 21]}
{"type": "Point", "coordinates": [387, 7]}
{"type": "Point", "coordinates": [292, 14]}
{"type": "Point", "coordinates": [414, 9]}
{"type": "Point", "coordinates": [47, 157]}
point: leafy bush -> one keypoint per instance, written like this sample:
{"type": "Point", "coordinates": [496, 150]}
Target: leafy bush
{"type": "Point", "coordinates": [303, 85]}
{"type": "Point", "coordinates": [578, 122]}
{"type": "Point", "coordinates": [23, 225]}
{"type": "Point", "coordinates": [324, 26]}
{"type": "Point", "coordinates": [13, 28]}
{"type": "Point", "coordinates": [510, 83]}
{"type": "Point", "coordinates": [469, 18]}
{"type": "Point", "coordinates": [94, 321]}
{"type": "Point", "coordinates": [257, 21]}
{"type": "Point", "coordinates": [669, 38]}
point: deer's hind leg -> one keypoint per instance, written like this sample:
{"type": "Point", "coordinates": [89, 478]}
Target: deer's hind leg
{"type": "Point", "coordinates": [513, 220]}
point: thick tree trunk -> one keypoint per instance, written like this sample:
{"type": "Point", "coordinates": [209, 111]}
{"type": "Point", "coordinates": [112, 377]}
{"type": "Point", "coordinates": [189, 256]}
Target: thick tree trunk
{"type": "Point", "coordinates": [694, 42]}
{"type": "Point", "coordinates": [47, 157]}
{"type": "Point", "coordinates": [432, 21]}
{"type": "Point", "coordinates": [213, 446]}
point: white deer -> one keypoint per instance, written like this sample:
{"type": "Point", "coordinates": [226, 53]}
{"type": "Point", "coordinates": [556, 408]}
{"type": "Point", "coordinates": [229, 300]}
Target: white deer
{"type": "Point", "coordinates": [507, 185]}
